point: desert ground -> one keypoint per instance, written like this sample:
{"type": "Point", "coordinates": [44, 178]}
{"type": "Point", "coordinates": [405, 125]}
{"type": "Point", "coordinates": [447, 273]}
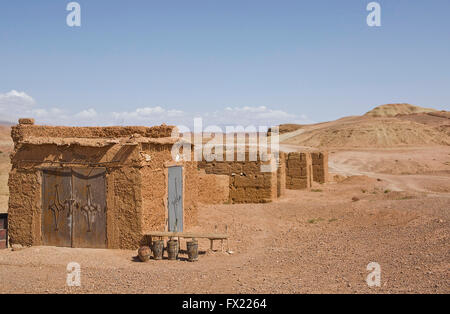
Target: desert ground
{"type": "Point", "coordinates": [385, 203]}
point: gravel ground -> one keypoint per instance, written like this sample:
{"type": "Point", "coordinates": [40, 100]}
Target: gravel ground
{"type": "Point", "coordinates": [318, 241]}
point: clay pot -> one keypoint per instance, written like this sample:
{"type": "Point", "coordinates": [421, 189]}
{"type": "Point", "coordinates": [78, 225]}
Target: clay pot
{"type": "Point", "coordinates": [144, 253]}
{"type": "Point", "coordinates": [158, 249]}
{"type": "Point", "coordinates": [192, 249]}
{"type": "Point", "coordinates": [172, 250]}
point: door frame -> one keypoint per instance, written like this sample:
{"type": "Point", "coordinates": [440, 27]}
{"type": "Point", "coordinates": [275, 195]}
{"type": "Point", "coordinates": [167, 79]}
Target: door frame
{"type": "Point", "coordinates": [166, 199]}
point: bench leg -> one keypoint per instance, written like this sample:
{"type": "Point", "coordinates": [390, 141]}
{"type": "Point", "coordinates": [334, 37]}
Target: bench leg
{"type": "Point", "coordinates": [212, 244]}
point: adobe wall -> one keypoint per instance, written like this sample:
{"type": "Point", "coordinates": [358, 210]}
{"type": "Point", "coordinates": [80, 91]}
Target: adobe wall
{"type": "Point", "coordinates": [192, 186]}
{"type": "Point", "coordinates": [320, 166]}
{"type": "Point", "coordinates": [154, 187]}
{"type": "Point", "coordinates": [124, 208]}
{"type": "Point", "coordinates": [298, 170]}
{"type": "Point", "coordinates": [254, 187]}
{"type": "Point", "coordinates": [24, 212]}
{"type": "Point", "coordinates": [247, 184]}
{"type": "Point", "coordinates": [213, 189]}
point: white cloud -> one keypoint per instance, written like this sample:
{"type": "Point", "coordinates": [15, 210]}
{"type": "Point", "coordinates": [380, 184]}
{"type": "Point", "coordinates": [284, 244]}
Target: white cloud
{"type": "Point", "coordinates": [251, 115]}
{"type": "Point", "coordinates": [86, 114]}
{"type": "Point", "coordinates": [147, 116]}
{"type": "Point", "coordinates": [14, 97]}
{"type": "Point", "coordinates": [16, 104]}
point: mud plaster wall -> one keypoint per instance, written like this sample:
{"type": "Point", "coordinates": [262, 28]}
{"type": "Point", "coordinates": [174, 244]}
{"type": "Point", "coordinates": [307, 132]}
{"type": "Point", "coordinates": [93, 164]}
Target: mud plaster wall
{"type": "Point", "coordinates": [124, 208]}
{"type": "Point", "coordinates": [213, 189]}
{"type": "Point", "coordinates": [298, 171]}
{"type": "Point", "coordinates": [24, 210]}
{"type": "Point", "coordinates": [320, 166]}
{"type": "Point", "coordinates": [190, 195]}
{"type": "Point", "coordinates": [247, 184]}
{"type": "Point", "coordinates": [154, 187]}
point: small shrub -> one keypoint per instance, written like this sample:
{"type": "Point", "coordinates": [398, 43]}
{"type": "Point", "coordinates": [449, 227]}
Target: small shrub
{"type": "Point", "coordinates": [314, 220]}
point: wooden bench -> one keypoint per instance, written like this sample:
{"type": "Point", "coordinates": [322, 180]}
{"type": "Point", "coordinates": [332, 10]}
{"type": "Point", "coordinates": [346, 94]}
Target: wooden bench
{"type": "Point", "coordinates": [192, 235]}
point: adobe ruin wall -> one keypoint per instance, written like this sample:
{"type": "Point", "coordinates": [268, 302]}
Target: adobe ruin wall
{"type": "Point", "coordinates": [298, 170]}
{"type": "Point", "coordinates": [247, 183]}
{"type": "Point", "coordinates": [320, 166]}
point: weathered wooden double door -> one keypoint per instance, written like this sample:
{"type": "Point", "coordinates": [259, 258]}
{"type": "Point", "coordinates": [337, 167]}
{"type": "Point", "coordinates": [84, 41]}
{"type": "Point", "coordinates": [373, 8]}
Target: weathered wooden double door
{"type": "Point", "coordinates": [74, 207]}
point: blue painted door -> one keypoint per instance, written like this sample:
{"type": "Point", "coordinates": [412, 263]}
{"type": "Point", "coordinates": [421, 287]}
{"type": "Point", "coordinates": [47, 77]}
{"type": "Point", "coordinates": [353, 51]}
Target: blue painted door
{"type": "Point", "coordinates": [175, 199]}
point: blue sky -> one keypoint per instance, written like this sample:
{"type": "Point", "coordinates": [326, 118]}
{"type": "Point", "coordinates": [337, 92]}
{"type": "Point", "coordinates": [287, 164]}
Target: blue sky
{"type": "Point", "coordinates": [230, 61]}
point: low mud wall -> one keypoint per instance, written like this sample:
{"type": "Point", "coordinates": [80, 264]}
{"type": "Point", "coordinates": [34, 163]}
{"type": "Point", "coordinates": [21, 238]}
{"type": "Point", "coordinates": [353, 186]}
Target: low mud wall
{"type": "Point", "coordinates": [298, 170]}
{"type": "Point", "coordinates": [247, 183]}
{"type": "Point", "coordinates": [320, 166]}
{"type": "Point", "coordinates": [212, 188]}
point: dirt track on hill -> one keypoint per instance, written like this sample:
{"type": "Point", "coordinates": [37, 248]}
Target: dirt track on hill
{"type": "Point", "coordinates": [422, 169]}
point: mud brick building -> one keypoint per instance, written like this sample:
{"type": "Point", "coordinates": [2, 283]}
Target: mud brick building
{"type": "Point", "coordinates": [97, 187]}
{"type": "Point", "coordinates": [105, 187]}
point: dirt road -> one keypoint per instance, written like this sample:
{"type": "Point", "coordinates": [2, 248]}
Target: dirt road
{"type": "Point", "coordinates": [422, 169]}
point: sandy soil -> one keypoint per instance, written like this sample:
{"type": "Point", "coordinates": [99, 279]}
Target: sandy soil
{"type": "Point", "coordinates": [309, 241]}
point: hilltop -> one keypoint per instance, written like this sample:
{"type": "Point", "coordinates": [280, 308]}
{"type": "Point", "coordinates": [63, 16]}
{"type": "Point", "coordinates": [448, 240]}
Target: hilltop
{"type": "Point", "coordinates": [391, 110]}
{"type": "Point", "coordinates": [384, 126]}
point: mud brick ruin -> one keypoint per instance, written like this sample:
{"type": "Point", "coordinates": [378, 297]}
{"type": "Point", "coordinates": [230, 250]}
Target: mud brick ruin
{"type": "Point", "coordinates": [247, 183]}
{"type": "Point", "coordinates": [320, 166]}
{"type": "Point", "coordinates": [298, 171]}
{"type": "Point", "coordinates": [104, 187]}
